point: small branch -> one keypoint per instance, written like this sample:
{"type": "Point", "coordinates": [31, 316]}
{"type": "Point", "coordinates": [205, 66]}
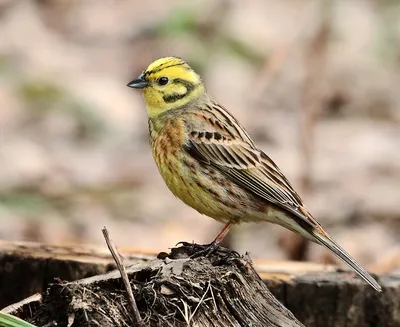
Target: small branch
{"type": "Point", "coordinates": [120, 265]}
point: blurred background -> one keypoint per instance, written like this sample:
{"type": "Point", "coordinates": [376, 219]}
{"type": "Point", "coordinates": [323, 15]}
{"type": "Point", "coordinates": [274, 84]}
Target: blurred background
{"type": "Point", "coordinates": [316, 84]}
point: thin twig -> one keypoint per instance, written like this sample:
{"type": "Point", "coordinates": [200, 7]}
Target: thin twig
{"type": "Point", "coordinates": [200, 302]}
{"type": "Point", "coordinates": [120, 265]}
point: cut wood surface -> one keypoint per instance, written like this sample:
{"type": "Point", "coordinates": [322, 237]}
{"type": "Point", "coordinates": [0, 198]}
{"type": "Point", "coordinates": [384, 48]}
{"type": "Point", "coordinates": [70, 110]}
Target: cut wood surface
{"type": "Point", "coordinates": [318, 295]}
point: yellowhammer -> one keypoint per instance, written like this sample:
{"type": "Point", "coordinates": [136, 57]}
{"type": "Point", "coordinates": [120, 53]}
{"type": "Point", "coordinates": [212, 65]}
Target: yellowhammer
{"type": "Point", "coordinates": [208, 160]}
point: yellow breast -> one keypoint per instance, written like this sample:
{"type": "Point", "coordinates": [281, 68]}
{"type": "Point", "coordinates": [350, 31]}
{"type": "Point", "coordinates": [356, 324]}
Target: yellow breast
{"type": "Point", "coordinates": [184, 175]}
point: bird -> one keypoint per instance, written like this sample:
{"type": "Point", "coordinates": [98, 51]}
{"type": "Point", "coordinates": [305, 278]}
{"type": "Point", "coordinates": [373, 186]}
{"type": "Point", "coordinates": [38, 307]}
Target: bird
{"type": "Point", "coordinates": [208, 160]}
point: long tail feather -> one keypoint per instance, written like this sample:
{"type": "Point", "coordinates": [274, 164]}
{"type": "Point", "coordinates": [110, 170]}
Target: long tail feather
{"type": "Point", "coordinates": [343, 255]}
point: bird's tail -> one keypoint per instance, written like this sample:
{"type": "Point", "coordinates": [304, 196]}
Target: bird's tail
{"type": "Point", "coordinates": [326, 241]}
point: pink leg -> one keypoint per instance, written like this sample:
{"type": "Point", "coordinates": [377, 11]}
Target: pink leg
{"type": "Point", "coordinates": [210, 248]}
{"type": "Point", "coordinates": [222, 233]}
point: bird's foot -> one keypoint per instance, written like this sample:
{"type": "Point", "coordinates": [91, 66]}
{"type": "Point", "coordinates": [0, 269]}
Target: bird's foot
{"type": "Point", "coordinates": [205, 251]}
{"type": "Point", "coordinates": [196, 250]}
{"type": "Point", "coordinates": [183, 243]}
{"type": "Point", "coordinates": [193, 250]}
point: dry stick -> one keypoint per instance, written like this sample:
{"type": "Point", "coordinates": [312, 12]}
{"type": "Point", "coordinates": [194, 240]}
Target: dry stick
{"type": "Point", "coordinates": [120, 265]}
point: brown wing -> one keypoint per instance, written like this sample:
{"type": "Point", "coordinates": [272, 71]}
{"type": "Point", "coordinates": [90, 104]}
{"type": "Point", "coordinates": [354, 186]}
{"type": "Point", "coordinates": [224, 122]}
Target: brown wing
{"type": "Point", "coordinates": [226, 146]}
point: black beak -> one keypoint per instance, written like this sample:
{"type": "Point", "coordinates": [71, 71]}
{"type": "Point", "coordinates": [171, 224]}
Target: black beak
{"type": "Point", "coordinates": [138, 83]}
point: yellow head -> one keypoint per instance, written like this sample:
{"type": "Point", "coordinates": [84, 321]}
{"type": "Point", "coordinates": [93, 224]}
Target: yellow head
{"type": "Point", "coordinates": [168, 83]}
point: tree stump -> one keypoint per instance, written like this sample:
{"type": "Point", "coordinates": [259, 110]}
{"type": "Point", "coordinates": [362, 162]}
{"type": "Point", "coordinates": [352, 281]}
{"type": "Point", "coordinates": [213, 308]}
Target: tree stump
{"type": "Point", "coordinates": [222, 289]}
{"type": "Point", "coordinates": [318, 295]}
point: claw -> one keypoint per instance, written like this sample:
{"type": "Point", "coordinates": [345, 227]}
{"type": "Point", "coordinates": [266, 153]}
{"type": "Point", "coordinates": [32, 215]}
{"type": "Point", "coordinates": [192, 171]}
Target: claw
{"type": "Point", "coordinates": [183, 243]}
{"type": "Point", "coordinates": [209, 249]}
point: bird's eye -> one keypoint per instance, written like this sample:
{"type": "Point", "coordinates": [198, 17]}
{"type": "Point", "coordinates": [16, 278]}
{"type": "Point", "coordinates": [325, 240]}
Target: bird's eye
{"type": "Point", "coordinates": [163, 80]}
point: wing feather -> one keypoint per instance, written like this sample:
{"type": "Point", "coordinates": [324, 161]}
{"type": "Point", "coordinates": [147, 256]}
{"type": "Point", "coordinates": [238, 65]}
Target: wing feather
{"type": "Point", "coordinates": [236, 156]}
